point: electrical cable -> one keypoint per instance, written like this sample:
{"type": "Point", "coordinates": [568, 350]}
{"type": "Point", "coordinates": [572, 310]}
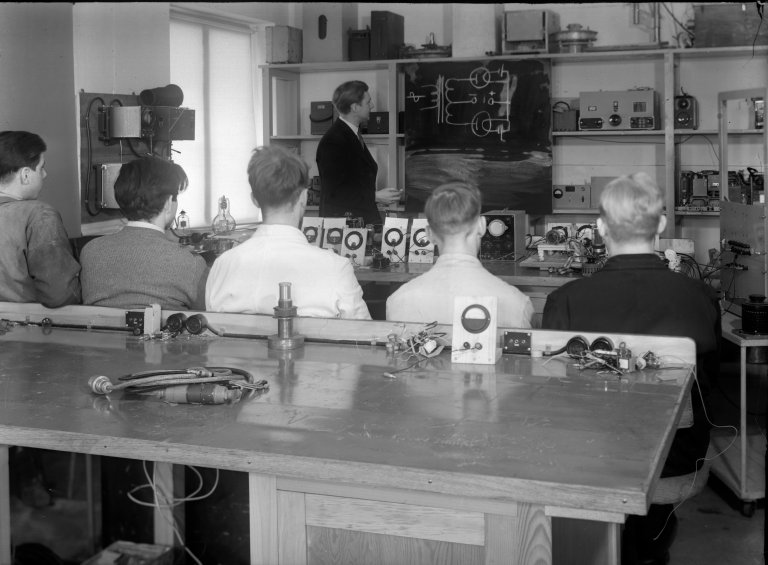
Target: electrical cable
{"type": "Point", "coordinates": [702, 459]}
{"type": "Point", "coordinates": [130, 146]}
{"type": "Point", "coordinates": [760, 5]}
{"type": "Point", "coordinates": [89, 164]}
{"type": "Point", "coordinates": [167, 504]}
{"type": "Point", "coordinates": [683, 28]}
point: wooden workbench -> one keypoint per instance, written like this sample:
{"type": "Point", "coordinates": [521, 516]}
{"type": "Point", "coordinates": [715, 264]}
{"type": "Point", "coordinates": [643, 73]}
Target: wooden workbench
{"type": "Point", "coordinates": [454, 463]}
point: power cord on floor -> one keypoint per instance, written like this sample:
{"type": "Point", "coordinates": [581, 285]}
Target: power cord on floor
{"type": "Point", "coordinates": [700, 459]}
{"type": "Point", "coordinates": [161, 501]}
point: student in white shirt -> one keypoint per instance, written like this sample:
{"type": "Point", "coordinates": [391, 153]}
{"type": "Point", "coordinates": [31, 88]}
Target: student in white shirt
{"type": "Point", "coordinates": [246, 279]}
{"type": "Point", "coordinates": [456, 227]}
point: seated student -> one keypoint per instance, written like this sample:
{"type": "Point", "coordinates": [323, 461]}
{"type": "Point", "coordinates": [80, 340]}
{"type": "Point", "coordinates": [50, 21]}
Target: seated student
{"type": "Point", "coordinates": [138, 265]}
{"type": "Point", "coordinates": [456, 227]}
{"type": "Point", "coordinates": [635, 292]}
{"type": "Point", "coordinates": [246, 278]}
{"type": "Point", "coordinates": [36, 262]}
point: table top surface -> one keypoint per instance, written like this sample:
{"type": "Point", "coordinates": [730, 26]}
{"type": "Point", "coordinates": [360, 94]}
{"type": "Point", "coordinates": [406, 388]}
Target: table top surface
{"type": "Point", "coordinates": [731, 331]}
{"type": "Point", "coordinates": [509, 271]}
{"type": "Point", "coordinates": [524, 429]}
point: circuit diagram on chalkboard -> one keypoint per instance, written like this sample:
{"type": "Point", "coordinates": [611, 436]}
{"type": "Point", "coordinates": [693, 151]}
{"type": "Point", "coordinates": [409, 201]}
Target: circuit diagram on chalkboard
{"type": "Point", "coordinates": [486, 123]}
{"type": "Point", "coordinates": [487, 94]}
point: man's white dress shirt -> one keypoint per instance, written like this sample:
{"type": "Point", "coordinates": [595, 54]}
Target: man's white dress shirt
{"type": "Point", "coordinates": [246, 278]}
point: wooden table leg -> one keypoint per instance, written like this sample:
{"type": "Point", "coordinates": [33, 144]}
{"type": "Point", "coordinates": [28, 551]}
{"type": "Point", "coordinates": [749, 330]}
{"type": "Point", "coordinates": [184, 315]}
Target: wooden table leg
{"type": "Point", "coordinates": [525, 538]}
{"type": "Point", "coordinates": [169, 483]}
{"type": "Point", "coordinates": [5, 508]}
{"type": "Point", "coordinates": [262, 500]}
{"type": "Point", "coordinates": [586, 542]}
{"type": "Point", "coordinates": [292, 527]}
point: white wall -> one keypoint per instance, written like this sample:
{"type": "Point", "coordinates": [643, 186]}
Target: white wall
{"type": "Point", "coordinates": [121, 48]}
{"type": "Point", "coordinates": [38, 94]}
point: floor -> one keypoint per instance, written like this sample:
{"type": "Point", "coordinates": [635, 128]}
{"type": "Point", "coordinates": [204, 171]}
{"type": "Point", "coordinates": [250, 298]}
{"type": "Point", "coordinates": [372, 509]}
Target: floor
{"type": "Point", "coordinates": [711, 526]}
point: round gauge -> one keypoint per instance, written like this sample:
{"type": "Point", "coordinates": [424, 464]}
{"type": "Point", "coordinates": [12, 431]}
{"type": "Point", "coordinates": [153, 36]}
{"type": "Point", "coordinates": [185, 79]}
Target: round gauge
{"type": "Point", "coordinates": [393, 237]}
{"type": "Point", "coordinates": [497, 228]}
{"type": "Point", "coordinates": [311, 233]}
{"type": "Point", "coordinates": [353, 240]}
{"type": "Point", "coordinates": [334, 235]}
{"type": "Point", "coordinates": [475, 318]}
{"type": "Point", "coordinates": [420, 238]}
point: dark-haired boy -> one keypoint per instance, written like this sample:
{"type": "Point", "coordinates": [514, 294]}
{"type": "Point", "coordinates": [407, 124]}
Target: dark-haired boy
{"type": "Point", "coordinates": [138, 265]}
{"type": "Point", "coordinates": [36, 262]}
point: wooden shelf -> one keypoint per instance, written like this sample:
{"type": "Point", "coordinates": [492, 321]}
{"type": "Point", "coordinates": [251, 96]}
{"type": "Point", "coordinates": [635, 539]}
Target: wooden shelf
{"type": "Point", "coordinates": [575, 211]}
{"type": "Point", "coordinates": [661, 65]}
{"type": "Point", "coordinates": [693, 213]}
{"type": "Point", "coordinates": [633, 54]}
{"type": "Point", "coordinates": [609, 133]}
{"type": "Point", "coordinates": [715, 132]}
{"type": "Point", "coordinates": [325, 67]}
{"type": "Point", "coordinates": [311, 137]}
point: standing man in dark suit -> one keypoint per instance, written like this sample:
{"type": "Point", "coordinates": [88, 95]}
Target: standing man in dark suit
{"type": "Point", "coordinates": [347, 168]}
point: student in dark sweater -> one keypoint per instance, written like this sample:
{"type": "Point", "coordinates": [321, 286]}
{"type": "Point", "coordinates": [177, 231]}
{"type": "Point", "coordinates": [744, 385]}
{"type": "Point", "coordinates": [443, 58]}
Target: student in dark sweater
{"type": "Point", "coordinates": [138, 265]}
{"type": "Point", "coordinates": [636, 293]}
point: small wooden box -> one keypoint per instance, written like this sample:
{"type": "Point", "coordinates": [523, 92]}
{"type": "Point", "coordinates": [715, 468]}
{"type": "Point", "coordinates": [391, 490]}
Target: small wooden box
{"type": "Point", "coordinates": [284, 44]}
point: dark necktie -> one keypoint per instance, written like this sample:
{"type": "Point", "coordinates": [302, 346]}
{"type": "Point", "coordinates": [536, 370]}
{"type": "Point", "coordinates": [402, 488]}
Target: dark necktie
{"type": "Point", "coordinates": [360, 137]}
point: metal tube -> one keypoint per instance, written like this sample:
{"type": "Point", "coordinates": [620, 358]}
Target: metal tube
{"type": "Point", "coordinates": [285, 292]}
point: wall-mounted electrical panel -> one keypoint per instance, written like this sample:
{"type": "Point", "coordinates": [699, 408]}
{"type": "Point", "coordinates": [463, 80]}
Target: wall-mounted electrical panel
{"type": "Point", "coordinates": [160, 123]}
{"type": "Point", "coordinates": [106, 175]}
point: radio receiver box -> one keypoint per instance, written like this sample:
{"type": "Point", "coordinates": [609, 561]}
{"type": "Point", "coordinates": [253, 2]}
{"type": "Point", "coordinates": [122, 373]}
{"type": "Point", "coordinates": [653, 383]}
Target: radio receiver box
{"type": "Point", "coordinates": [619, 110]}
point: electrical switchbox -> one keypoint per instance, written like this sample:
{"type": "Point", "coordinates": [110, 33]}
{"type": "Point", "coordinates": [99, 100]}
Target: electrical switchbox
{"type": "Point", "coordinates": [106, 175]}
{"type": "Point", "coordinates": [160, 123]}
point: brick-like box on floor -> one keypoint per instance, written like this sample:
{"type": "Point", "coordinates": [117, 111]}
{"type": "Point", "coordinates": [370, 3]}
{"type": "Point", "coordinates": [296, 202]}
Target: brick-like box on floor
{"type": "Point", "coordinates": [130, 553]}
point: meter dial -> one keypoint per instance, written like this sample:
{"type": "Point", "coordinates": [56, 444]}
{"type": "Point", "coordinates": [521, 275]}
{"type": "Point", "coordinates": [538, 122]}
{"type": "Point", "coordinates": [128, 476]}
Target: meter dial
{"type": "Point", "coordinates": [497, 228]}
{"type": "Point", "coordinates": [334, 235]}
{"type": "Point", "coordinates": [393, 237]}
{"type": "Point", "coordinates": [475, 318]}
{"type": "Point", "coordinates": [419, 238]}
{"type": "Point", "coordinates": [353, 240]}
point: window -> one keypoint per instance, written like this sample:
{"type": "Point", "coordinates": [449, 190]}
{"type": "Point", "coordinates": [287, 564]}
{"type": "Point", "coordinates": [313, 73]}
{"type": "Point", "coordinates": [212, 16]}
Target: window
{"type": "Point", "coordinates": [214, 64]}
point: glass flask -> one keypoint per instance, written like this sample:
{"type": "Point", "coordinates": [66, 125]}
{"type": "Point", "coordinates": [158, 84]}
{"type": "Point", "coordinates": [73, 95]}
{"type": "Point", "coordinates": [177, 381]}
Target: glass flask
{"type": "Point", "coordinates": [223, 222]}
{"type": "Point", "coordinates": [183, 224]}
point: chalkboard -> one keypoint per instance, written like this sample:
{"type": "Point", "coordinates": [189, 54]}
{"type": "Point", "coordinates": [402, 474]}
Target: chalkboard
{"type": "Point", "coordinates": [486, 123]}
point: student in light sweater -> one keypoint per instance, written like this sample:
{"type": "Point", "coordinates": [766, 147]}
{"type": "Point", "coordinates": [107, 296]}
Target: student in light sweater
{"type": "Point", "coordinates": [456, 226]}
{"type": "Point", "coordinates": [138, 265]}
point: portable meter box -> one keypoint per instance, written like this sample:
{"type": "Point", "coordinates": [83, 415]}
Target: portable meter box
{"type": "Point", "coordinates": [333, 233]}
{"type": "Point", "coordinates": [353, 244]}
{"type": "Point", "coordinates": [312, 227]}
{"type": "Point", "coordinates": [619, 110]}
{"type": "Point", "coordinates": [421, 249]}
{"type": "Point", "coordinates": [394, 243]}
{"type": "Point", "coordinates": [321, 116]}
